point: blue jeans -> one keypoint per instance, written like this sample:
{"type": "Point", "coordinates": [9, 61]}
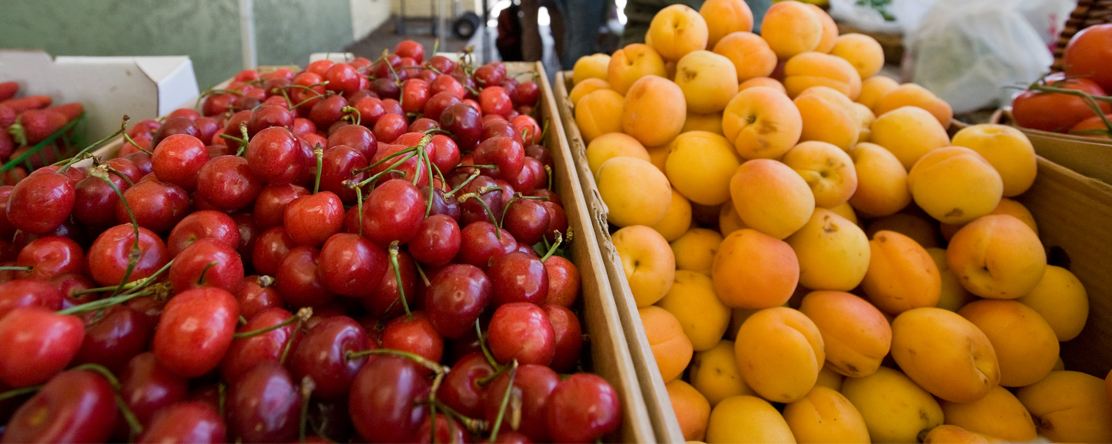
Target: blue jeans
{"type": "Point", "coordinates": [582, 20]}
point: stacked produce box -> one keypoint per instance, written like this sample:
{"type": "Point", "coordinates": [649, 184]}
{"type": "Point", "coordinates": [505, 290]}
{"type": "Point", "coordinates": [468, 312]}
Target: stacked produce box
{"type": "Point", "coordinates": [380, 251]}
{"type": "Point", "coordinates": [33, 133]}
{"type": "Point", "coordinates": [810, 252]}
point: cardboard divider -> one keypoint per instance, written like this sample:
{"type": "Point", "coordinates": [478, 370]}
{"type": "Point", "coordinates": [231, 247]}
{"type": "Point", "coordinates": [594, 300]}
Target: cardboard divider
{"type": "Point", "coordinates": [1088, 156]}
{"type": "Point", "coordinates": [601, 317]}
{"type": "Point", "coordinates": [658, 403]}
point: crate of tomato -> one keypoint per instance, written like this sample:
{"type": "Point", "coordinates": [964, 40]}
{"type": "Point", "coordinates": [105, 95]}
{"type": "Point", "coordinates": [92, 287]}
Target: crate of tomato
{"type": "Point", "coordinates": [32, 132]}
{"type": "Point", "coordinates": [387, 251]}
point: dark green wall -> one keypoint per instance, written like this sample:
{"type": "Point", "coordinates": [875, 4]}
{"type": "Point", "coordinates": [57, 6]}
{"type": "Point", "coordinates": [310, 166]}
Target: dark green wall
{"type": "Point", "coordinates": [287, 31]}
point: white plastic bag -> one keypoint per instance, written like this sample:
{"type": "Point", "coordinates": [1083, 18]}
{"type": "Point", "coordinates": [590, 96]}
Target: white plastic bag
{"type": "Point", "coordinates": [907, 14]}
{"type": "Point", "coordinates": [969, 52]}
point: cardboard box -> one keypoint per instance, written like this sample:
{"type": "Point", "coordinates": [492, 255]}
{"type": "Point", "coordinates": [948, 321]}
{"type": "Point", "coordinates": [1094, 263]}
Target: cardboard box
{"type": "Point", "coordinates": [601, 322]}
{"type": "Point", "coordinates": [1072, 212]}
{"type": "Point", "coordinates": [659, 405]}
{"type": "Point", "coordinates": [1086, 155]}
{"type": "Point", "coordinates": [108, 87]}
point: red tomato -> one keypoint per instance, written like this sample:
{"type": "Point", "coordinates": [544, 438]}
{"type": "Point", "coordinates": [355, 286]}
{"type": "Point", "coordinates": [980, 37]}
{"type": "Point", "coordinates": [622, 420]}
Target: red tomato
{"type": "Point", "coordinates": [1089, 55]}
{"type": "Point", "coordinates": [1057, 112]}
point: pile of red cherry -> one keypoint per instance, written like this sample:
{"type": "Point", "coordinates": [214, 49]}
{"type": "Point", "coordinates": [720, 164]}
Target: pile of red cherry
{"type": "Point", "coordinates": [358, 251]}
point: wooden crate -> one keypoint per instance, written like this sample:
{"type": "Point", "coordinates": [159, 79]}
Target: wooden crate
{"type": "Point", "coordinates": [602, 322]}
{"type": "Point", "coordinates": [656, 396]}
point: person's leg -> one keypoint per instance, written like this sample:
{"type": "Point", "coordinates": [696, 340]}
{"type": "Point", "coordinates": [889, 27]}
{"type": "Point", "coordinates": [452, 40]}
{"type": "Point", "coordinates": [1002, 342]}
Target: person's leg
{"type": "Point", "coordinates": [582, 20]}
{"type": "Point", "coordinates": [532, 49]}
{"type": "Point", "coordinates": [556, 26]}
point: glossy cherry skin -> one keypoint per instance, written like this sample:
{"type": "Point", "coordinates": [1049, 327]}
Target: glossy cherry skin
{"type": "Point", "coordinates": [383, 400]}
{"type": "Point", "coordinates": [273, 156]}
{"type": "Point", "coordinates": [416, 335]}
{"type": "Point", "coordinates": [480, 246]}
{"type": "Point", "coordinates": [50, 256]}
{"type": "Point", "coordinates": [321, 355]}
{"type": "Point", "coordinates": [297, 279]}
{"type": "Point", "coordinates": [505, 153]}
{"type": "Point", "coordinates": [342, 78]}
{"type": "Point", "coordinates": [264, 405]}
{"type": "Point", "coordinates": [447, 430]}
{"type": "Point", "coordinates": [582, 409]}
{"type": "Point", "coordinates": [148, 387]}
{"type": "Point", "coordinates": [311, 220]}
{"type": "Point", "coordinates": [518, 277]}
{"type": "Point", "coordinates": [338, 166]}
{"type": "Point", "coordinates": [256, 295]}
{"type": "Point", "coordinates": [389, 127]}
{"type": "Point", "coordinates": [465, 123]}
{"type": "Point", "coordinates": [486, 189]}
{"type": "Point", "coordinates": [527, 93]}
{"type": "Point", "coordinates": [204, 224]}
{"type": "Point", "coordinates": [207, 263]}
{"type": "Point", "coordinates": [178, 158]}
{"type": "Point", "coordinates": [557, 221]}
{"type": "Point", "coordinates": [456, 296]}
{"type": "Point", "coordinates": [563, 281]}
{"type": "Point", "coordinates": [107, 258]}
{"type": "Point", "coordinates": [6, 228]}
{"type": "Point", "coordinates": [227, 183]}
{"type": "Point", "coordinates": [181, 125]}
{"type": "Point", "coordinates": [356, 136]}
{"type": "Point", "coordinates": [187, 422]}
{"type": "Point", "coordinates": [37, 345]}
{"type": "Point", "coordinates": [245, 353]}
{"type": "Point", "coordinates": [114, 338]}
{"type": "Point", "coordinates": [441, 204]}
{"type": "Point", "coordinates": [270, 248]}
{"type": "Point", "coordinates": [95, 201]}
{"type": "Point", "coordinates": [533, 384]}
{"type": "Point", "coordinates": [385, 301]}
{"type": "Point", "coordinates": [437, 241]}
{"type": "Point", "coordinates": [311, 93]}
{"type": "Point", "coordinates": [29, 293]}
{"type": "Point", "coordinates": [270, 206]}
{"type": "Point", "coordinates": [405, 163]}
{"type": "Point", "coordinates": [393, 212]}
{"type": "Point", "coordinates": [41, 202]}
{"type": "Point", "coordinates": [527, 220]}
{"type": "Point", "coordinates": [370, 110]}
{"type": "Point", "coordinates": [348, 262]}
{"type": "Point", "coordinates": [569, 337]}
{"type": "Point", "coordinates": [490, 74]}
{"type": "Point", "coordinates": [328, 111]}
{"type": "Point", "coordinates": [195, 331]}
{"type": "Point", "coordinates": [522, 331]}
{"type": "Point", "coordinates": [460, 389]}
{"type": "Point", "coordinates": [75, 406]}
{"type": "Point", "coordinates": [157, 205]}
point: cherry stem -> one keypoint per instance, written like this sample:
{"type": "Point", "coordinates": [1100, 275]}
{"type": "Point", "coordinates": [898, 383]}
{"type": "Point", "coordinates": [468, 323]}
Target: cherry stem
{"type": "Point", "coordinates": [307, 387]}
{"type": "Point", "coordinates": [470, 178]}
{"type": "Point", "coordinates": [552, 250]}
{"type": "Point", "coordinates": [482, 345]}
{"type": "Point", "coordinates": [302, 315]}
{"type": "Point", "coordinates": [435, 367]}
{"type": "Point", "coordinates": [117, 173]}
{"type": "Point", "coordinates": [221, 397]}
{"type": "Point", "coordinates": [421, 273]}
{"type": "Point", "coordinates": [105, 303]}
{"type": "Point", "coordinates": [318, 153]}
{"type": "Point", "coordinates": [432, 403]}
{"type": "Point", "coordinates": [136, 253]}
{"type": "Point", "coordinates": [359, 207]}
{"type": "Point", "coordinates": [391, 169]}
{"type": "Point", "coordinates": [13, 393]}
{"type": "Point", "coordinates": [473, 425]}
{"type": "Point", "coordinates": [384, 160]}
{"type": "Point", "coordinates": [264, 281]}
{"type": "Point", "coordinates": [548, 171]}
{"type": "Point", "coordinates": [398, 277]}
{"type": "Point", "coordinates": [544, 129]}
{"type": "Point", "coordinates": [80, 154]}
{"type": "Point", "coordinates": [505, 402]}
{"type": "Point", "coordinates": [241, 320]}
{"type": "Point", "coordinates": [246, 140]}
{"type": "Point", "coordinates": [289, 103]}
{"type": "Point", "coordinates": [489, 212]}
{"type": "Point", "coordinates": [201, 279]}
{"type": "Point", "coordinates": [130, 141]}
{"type": "Point", "coordinates": [26, 269]}
{"type": "Point", "coordinates": [352, 111]}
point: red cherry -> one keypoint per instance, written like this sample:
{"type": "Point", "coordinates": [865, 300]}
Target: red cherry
{"type": "Point", "coordinates": [41, 202]}
{"type": "Point", "coordinates": [203, 225]}
{"type": "Point", "coordinates": [505, 153]}
{"type": "Point", "coordinates": [416, 335]}
{"type": "Point", "coordinates": [75, 406]}
{"type": "Point", "coordinates": [337, 167]}
{"type": "Point", "coordinates": [442, 64]}
{"type": "Point", "coordinates": [557, 220]}
{"type": "Point", "coordinates": [114, 338]}
{"type": "Point", "coordinates": [29, 293]}
{"type": "Point", "coordinates": [383, 400]}
{"type": "Point", "coordinates": [465, 123]}
{"type": "Point", "coordinates": [521, 331]}
{"type": "Point", "coordinates": [495, 100]}
{"type": "Point", "coordinates": [311, 220]}
{"type": "Point", "coordinates": [108, 256]}
{"type": "Point", "coordinates": [302, 126]}
{"type": "Point", "coordinates": [157, 205]}
{"type": "Point", "coordinates": [95, 201]}
{"type": "Point", "coordinates": [370, 110]}
{"type": "Point", "coordinates": [445, 428]}
{"type": "Point", "coordinates": [37, 345]}
{"type": "Point", "coordinates": [389, 127]}
{"type": "Point", "coordinates": [385, 302]}
{"type": "Point", "coordinates": [342, 78]}
{"type": "Point", "coordinates": [527, 93]}
{"type": "Point", "coordinates": [298, 281]}
{"type": "Point", "coordinates": [527, 220]}
{"type": "Point", "coordinates": [490, 74]}
{"type": "Point", "coordinates": [191, 422]}
{"type": "Point", "coordinates": [456, 296]}
{"type": "Point", "coordinates": [393, 212]}
{"type": "Point", "coordinates": [443, 152]}
{"type": "Point", "coordinates": [518, 277]}
{"type": "Point", "coordinates": [147, 387]}
{"type": "Point", "coordinates": [51, 256]}
{"type": "Point", "coordinates": [245, 353]}
{"type": "Point", "coordinates": [415, 92]}
{"type": "Point", "coordinates": [534, 384]}
{"type": "Point", "coordinates": [348, 262]}
{"type": "Point", "coordinates": [178, 158]}
{"type": "Point", "coordinates": [480, 246]}
{"type": "Point", "coordinates": [563, 281]}
{"type": "Point", "coordinates": [385, 87]}
{"type": "Point", "coordinates": [312, 92]}
{"type": "Point", "coordinates": [448, 84]}
{"type": "Point", "coordinates": [582, 409]}
{"type": "Point", "coordinates": [256, 295]}
{"type": "Point", "coordinates": [274, 156]}
{"type": "Point", "coordinates": [461, 390]}
{"type": "Point", "coordinates": [569, 337]}
{"type": "Point", "coordinates": [411, 49]}
{"type": "Point", "coordinates": [227, 183]}
{"type": "Point", "coordinates": [175, 126]}
{"type": "Point", "coordinates": [207, 263]}
{"type": "Point", "coordinates": [270, 206]}
{"type": "Point", "coordinates": [319, 67]}
{"type": "Point", "coordinates": [264, 405]}
{"type": "Point", "coordinates": [511, 437]}
{"type": "Point", "coordinates": [328, 111]}
{"type": "Point", "coordinates": [322, 356]}
{"type": "Point", "coordinates": [195, 331]}
{"type": "Point", "coordinates": [270, 248]}
{"type": "Point", "coordinates": [437, 240]}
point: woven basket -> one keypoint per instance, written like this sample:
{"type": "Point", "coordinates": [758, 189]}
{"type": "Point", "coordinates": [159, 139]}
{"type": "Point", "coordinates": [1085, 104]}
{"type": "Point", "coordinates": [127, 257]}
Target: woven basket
{"type": "Point", "coordinates": [1086, 14]}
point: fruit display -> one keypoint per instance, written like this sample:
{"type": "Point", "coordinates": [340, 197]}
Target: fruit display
{"type": "Point", "coordinates": [1076, 101]}
{"type": "Point", "coordinates": [32, 132]}
{"type": "Point", "coordinates": [370, 251]}
{"type": "Point", "coordinates": [821, 254]}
